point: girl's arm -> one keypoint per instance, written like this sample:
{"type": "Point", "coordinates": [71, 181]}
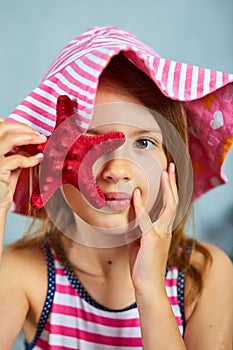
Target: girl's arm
{"type": "Point", "coordinates": [11, 135]}
{"type": "Point", "coordinates": [14, 303]}
{"type": "Point", "coordinates": [23, 290]}
{"type": "Point", "coordinates": [148, 260]}
{"type": "Point", "coordinates": [211, 323]}
{"type": "Point", "coordinates": [13, 299]}
{"type": "Point", "coordinates": [3, 215]}
{"type": "Point", "coordinates": [158, 324]}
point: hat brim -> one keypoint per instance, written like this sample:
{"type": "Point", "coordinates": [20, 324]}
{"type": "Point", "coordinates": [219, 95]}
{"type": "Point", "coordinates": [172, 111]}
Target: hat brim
{"type": "Point", "coordinates": [207, 95]}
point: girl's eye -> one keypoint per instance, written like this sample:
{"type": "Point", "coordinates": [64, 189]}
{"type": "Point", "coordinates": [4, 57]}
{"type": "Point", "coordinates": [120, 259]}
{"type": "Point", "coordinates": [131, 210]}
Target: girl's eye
{"type": "Point", "coordinates": [144, 144]}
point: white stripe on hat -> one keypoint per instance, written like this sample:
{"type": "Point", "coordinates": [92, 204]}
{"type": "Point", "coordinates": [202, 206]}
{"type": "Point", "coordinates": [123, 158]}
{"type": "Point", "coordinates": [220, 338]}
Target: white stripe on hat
{"type": "Point", "coordinates": [72, 50]}
{"type": "Point", "coordinates": [195, 74]}
{"type": "Point", "coordinates": [75, 87]}
{"type": "Point", "coordinates": [85, 67]}
{"type": "Point", "coordinates": [170, 80]}
{"type": "Point", "coordinates": [39, 104]}
{"type": "Point", "coordinates": [218, 79]}
{"type": "Point", "coordinates": [62, 63]}
{"type": "Point", "coordinates": [206, 85]}
{"type": "Point", "coordinates": [160, 69]}
{"type": "Point", "coordinates": [79, 78]}
{"type": "Point", "coordinates": [36, 115]}
{"type": "Point", "coordinates": [96, 59]}
{"type": "Point", "coordinates": [20, 119]}
{"type": "Point", "coordinates": [43, 93]}
{"type": "Point", "coordinates": [183, 71]}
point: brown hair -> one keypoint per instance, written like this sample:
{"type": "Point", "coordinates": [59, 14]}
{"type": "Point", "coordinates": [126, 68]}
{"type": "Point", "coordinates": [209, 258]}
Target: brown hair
{"type": "Point", "coordinates": [124, 74]}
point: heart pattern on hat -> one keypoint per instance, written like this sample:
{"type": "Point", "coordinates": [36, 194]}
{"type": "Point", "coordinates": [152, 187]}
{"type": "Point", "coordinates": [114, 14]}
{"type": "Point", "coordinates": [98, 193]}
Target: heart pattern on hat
{"type": "Point", "coordinates": [217, 122]}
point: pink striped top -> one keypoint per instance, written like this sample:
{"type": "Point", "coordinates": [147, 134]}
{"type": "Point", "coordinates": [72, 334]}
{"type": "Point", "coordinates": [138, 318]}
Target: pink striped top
{"type": "Point", "coordinates": [71, 319]}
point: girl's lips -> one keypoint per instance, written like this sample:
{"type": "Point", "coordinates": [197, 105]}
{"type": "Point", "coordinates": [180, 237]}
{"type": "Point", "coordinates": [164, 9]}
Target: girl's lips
{"type": "Point", "coordinates": [117, 200]}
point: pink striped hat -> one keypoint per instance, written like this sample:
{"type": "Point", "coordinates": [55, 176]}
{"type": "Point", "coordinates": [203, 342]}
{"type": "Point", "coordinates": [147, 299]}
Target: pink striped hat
{"type": "Point", "coordinates": [207, 95]}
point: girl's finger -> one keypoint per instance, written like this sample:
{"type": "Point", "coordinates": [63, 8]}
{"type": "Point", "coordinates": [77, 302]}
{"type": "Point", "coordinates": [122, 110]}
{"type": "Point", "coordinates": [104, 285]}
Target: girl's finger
{"type": "Point", "coordinates": [17, 127]}
{"type": "Point", "coordinates": [172, 179]}
{"type": "Point", "coordinates": [141, 214]}
{"type": "Point", "coordinates": [19, 139]}
{"type": "Point", "coordinates": [17, 161]}
{"type": "Point", "coordinates": [167, 214]}
{"type": "Point", "coordinates": [166, 217]}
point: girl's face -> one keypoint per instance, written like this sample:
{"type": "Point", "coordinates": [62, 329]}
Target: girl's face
{"type": "Point", "coordinates": [138, 163]}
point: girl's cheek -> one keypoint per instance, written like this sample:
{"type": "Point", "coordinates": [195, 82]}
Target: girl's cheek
{"type": "Point", "coordinates": [151, 193]}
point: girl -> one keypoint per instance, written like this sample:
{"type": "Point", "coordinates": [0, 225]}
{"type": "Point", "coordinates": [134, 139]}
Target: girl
{"type": "Point", "coordinates": [110, 266]}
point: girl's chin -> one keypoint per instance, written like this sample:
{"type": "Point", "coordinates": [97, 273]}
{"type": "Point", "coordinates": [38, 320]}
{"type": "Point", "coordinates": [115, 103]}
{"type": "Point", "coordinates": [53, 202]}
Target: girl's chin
{"type": "Point", "coordinates": [111, 223]}
{"type": "Point", "coordinates": [116, 227]}
{"type": "Point", "coordinates": [106, 234]}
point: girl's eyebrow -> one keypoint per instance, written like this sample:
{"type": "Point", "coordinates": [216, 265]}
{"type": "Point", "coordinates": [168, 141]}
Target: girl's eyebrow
{"type": "Point", "coordinates": [96, 131]}
{"type": "Point", "coordinates": [156, 132]}
{"type": "Point", "coordinates": [152, 131]}
{"type": "Point", "coordinates": [137, 131]}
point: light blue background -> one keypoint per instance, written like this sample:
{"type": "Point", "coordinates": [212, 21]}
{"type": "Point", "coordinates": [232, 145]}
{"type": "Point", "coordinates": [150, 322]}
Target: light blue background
{"type": "Point", "coordinates": [197, 32]}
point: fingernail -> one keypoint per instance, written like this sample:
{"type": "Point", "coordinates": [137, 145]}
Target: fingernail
{"type": "Point", "coordinates": [172, 167]}
{"type": "Point", "coordinates": [42, 137]}
{"type": "Point", "coordinates": [165, 174]}
{"type": "Point", "coordinates": [39, 134]}
{"type": "Point", "coordinates": [138, 192]}
{"type": "Point", "coordinates": [39, 156]}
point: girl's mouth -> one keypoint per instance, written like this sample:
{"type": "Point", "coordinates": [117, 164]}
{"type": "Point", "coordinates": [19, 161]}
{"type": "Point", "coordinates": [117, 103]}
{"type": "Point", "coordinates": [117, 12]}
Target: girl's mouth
{"type": "Point", "coordinates": [117, 200]}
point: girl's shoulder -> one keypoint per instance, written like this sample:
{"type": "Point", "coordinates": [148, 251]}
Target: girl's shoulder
{"type": "Point", "coordinates": [23, 259]}
{"type": "Point", "coordinates": [215, 299]}
{"type": "Point", "coordinates": [23, 288]}
{"type": "Point", "coordinates": [217, 258]}
{"type": "Point", "coordinates": [26, 264]}
{"type": "Point", "coordinates": [25, 269]}
{"type": "Point", "coordinates": [216, 269]}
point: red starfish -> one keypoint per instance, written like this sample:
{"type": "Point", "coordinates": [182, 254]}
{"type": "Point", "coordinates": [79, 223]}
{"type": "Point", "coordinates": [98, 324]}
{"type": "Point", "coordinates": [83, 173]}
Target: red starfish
{"type": "Point", "coordinates": [69, 157]}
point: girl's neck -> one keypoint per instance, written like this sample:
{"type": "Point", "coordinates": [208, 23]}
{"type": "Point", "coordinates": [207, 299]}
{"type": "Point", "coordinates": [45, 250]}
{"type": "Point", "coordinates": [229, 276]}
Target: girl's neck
{"type": "Point", "coordinates": [100, 262]}
{"type": "Point", "coordinates": [103, 272]}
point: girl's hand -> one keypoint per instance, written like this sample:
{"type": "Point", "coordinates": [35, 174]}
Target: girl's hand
{"type": "Point", "coordinates": [148, 255]}
{"type": "Point", "coordinates": [11, 136]}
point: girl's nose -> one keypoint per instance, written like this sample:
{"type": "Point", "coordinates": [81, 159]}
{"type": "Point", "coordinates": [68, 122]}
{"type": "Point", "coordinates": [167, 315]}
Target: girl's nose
{"type": "Point", "coordinates": [116, 170]}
